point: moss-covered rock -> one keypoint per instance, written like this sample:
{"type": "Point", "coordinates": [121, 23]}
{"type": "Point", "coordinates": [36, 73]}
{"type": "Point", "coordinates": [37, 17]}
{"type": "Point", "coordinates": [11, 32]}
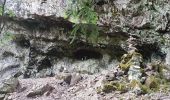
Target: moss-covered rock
{"type": "Point", "coordinates": [130, 59]}
{"type": "Point", "coordinates": [138, 88]}
{"type": "Point", "coordinates": [114, 86]}
{"type": "Point", "coordinates": [108, 87]}
{"type": "Point", "coordinates": [122, 87]}
{"type": "Point", "coordinates": [152, 82]}
{"type": "Point", "coordinates": [131, 63]}
{"type": "Point", "coordinates": [162, 70]}
{"type": "Point", "coordinates": [158, 67]}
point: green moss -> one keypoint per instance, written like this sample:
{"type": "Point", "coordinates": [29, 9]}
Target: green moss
{"type": "Point", "coordinates": [134, 83]}
{"type": "Point", "coordinates": [108, 87]}
{"type": "Point", "coordinates": [152, 82]}
{"type": "Point", "coordinates": [121, 87]}
{"type": "Point", "coordinates": [158, 67]}
{"type": "Point", "coordinates": [111, 86]}
{"type": "Point", "coordinates": [125, 63]}
{"type": "Point", "coordinates": [145, 89]}
{"type": "Point", "coordinates": [142, 70]}
{"type": "Point", "coordinates": [124, 67]}
{"type": "Point", "coordinates": [99, 90]}
{"type": "Point", "coordinates": [127, 60]}
{"type": "Point", "coordinates": [165, 87]}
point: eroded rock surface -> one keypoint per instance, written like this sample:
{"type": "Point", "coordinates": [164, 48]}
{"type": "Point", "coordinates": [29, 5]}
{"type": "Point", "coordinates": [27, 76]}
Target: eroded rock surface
{"type": "Point", "coordinates": [38, 46]}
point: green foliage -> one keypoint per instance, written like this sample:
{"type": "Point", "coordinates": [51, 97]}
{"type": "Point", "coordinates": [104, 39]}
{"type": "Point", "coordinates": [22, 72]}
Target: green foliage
{"type": "Point", "coordinates": [84, 11]}
{"type": "Point", "coordinates": [10, 13]}
{"type": "Point", "coordinates": [88, 30]}
{"type": "Point", "coordinates": [113, 86]}
{"type": "Point", "coordinates": [6, 38]}
{"type": "Point", "coordinates": [152, 83]}
{"type": "Point", "coordinates": [5, 35]}
{"type": "Point", "coordinates": [6, 11]}
{"type": "Point", "coordinates": [1, 10]}
{"type": "Point", "coordinates": [108, 87]}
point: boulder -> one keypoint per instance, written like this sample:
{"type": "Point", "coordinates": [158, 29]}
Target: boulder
{"type": "Point", "coordinates": [9, 86]}
{"type": "Point", "coordinates": [40, 91]}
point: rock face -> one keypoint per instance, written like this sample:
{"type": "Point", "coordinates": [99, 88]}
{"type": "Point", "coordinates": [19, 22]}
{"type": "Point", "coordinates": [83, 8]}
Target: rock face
{"type": "Point", "coordinates": [115, 13]}
{"type": "Point", "coordinates": [168, 57]}
{"type": "Point", "coordinates": [8, 86]}
{"type": "Point", "coordinates": [32, 8]}
{"type": "Point", "coordinates": [37, 51]}
{"type": "Point", "coordinates": [38, 46]}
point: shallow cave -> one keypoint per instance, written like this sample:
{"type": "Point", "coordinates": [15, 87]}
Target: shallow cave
{"type": "Point", "coordinates": [84, 54]}
{"type": "Point", "coordinates": [100, 2]}
{"type": "Point", "coordinates": [44, 23]}
{"type": "Point", "coordinates": [147, 50]}
{"type": "Point", "coordinates": [54, 52]}
{"type": "Point", "coordinates": [8, 54]}
{"type": "Point", "coordinates": [22, 41]}
{"type": "Point", "coordinates": [44, 64]}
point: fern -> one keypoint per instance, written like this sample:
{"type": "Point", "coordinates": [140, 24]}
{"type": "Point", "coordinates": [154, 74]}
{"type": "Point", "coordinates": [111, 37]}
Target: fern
{"type": "Point", "coordinates": [84, 10]}
{"type": "Point", "coordinates": [5, 38]}
{"type": "Point", "coordinates": [88, 30]}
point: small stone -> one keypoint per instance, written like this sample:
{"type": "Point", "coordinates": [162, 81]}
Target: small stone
{"type": "Point", "coordinates": [137, 90]}
{"type": "Point", "coordinates": [75, 79]}
{"type": "Point", "coordinates": [2, 96]}
{"type": "Point", "coordinates": [9, 85]}
{"type": "Point", "coordinates": [45, 89]}
{"type": "Point", "coordinates": [67, 78]}
{"type": "Point", "coordinates": [134, 73]}
{"type": "Point", "coordinates": [166, 74]}
{"type": "Point", "coordinates": [135, 85]}
{"type": "Point", "coordinates": [119, 72]}
{"type": "Point", "coordinates": [21, 89]}
{"type": "Point", "coordinates": [18, 74]}
{"type": "Point", "coordinates": [110, 76]}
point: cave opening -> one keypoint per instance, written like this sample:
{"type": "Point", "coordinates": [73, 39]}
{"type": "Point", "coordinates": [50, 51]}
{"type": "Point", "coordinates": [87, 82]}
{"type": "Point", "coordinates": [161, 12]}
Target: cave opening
{"type": "Point", "coordinates": [147, 50]}
{"type": "Point", "coordinates": [22, 41]}
{"type": "Point", "coordinates": [85, 54]}
{"type": "Point", "coordinates": [44, 64]}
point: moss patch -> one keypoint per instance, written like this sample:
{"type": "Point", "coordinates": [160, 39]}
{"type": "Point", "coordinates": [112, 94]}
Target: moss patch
{"type": "Point", "coordinates": [114, 86]}
{"type": "Point", "coordinates": [152, 82]}
{"type": "Point", "coordinates": [127, 60]}
{"type": "Point", "coordinates": [108, 87]}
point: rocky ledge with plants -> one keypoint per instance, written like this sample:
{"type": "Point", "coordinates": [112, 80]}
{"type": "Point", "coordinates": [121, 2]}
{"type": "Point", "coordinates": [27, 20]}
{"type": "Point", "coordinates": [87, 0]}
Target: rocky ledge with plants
{"type": "Point", "coordinates": [84, 49]}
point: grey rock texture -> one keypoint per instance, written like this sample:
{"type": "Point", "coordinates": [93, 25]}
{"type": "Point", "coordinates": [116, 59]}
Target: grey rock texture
{"type": "Point", "coordinates": [29, 9]}
{"type": "Point", "coordinates": [39, 47]}
{"type": "Point", "coordinates": [86, 89]}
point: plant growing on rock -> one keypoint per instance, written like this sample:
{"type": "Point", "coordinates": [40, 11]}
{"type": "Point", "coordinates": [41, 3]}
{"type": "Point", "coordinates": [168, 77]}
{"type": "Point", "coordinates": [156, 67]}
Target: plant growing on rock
{"type": "Point", "coordinates": [83, 10]}
{"type": "Point", "coordinates": [4, 13]}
